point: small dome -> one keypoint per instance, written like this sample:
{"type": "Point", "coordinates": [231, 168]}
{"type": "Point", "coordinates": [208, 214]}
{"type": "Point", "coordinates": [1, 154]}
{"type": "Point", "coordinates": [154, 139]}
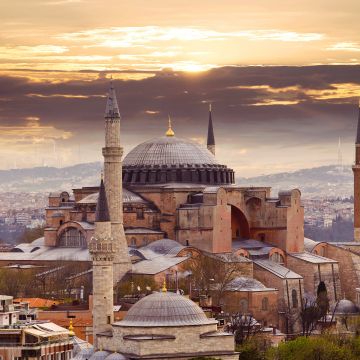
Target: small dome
{"type": "Point", "coordinates": [165, 246]}
{"type": "Point", "coordinates": [116, 356]}
{"type": "Point", "coordinates": [165, 309]}
{"type": "Point", "coordinates": [245, 284]}
{"type": "Point", "coordinates": [169, 150]}
{"type": "Point", "coordinates": [84, 354]}
{"type": "Point", "coordinates": [347, 307]}
{"type": "Point", "coordinates": [99, 355]}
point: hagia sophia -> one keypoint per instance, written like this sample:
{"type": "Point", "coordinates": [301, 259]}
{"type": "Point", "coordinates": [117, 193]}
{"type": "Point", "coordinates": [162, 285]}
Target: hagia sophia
{"type": "Point", "coordinates": [167, 201]}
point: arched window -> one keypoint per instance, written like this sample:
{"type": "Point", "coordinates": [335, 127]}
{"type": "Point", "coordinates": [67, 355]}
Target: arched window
{"type": "Point", "coordinates": [133, 242]}
{"type": "Point", "coordinates": [72, 237]}
{"type": "Point", "coordinates": [294, 298]}
{"type": "Point", "coordinates": [277, 257]}
{"type": "Point", "coordinates": [265, 304]}
{"type": "Point", "coordinates": [244, 306]}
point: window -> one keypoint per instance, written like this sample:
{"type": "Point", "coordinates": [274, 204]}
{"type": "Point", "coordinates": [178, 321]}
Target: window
{"type": "Point", "coordinates": [72, 237]}
{"type": "Point", "coordinates": [277, 257]}
{"type": "Point", "coordinates": [133, 242]}
{"type": "Point", "coordinates": [244, 306]}
{"type": "Point", "coordinates": [140, 214]}
{"type": "Point", "coordinates": [294, 298]}
{"type": "Point", "coordinates": [265, 304]}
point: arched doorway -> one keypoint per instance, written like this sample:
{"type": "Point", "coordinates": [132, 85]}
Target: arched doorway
{"type": "Point", "coordinates": [239, 225]}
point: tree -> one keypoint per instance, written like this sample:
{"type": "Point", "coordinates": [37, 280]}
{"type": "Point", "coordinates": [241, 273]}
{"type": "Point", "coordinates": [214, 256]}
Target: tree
{"type": "Point", "coordinates": [314, 311]}
{"type": "Point", "coordinates": [61, 278]}
{"type": "Point", "coordinates": [17, 282]}
{"type": "Point", "coordinates": [29, 235]}
{"type": "Point", "coordinates": [135, 286]}
{"type": "Point", "coordinates": [243, 327]}
{"type": "Point", "coordinates": [211, 274]}
{"type": "Point", "coordinates": [314, 348]}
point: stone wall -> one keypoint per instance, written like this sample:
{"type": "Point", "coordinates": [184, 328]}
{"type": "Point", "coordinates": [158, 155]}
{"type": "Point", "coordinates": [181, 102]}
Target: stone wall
{"type": "Point", "coordinates": [264, 311]}
{"type": "Point", "coordinates": [188, 339]}
{"type": "Point", "coordinates": [349, 266]}
{"type": "Point", "coordinates": [314, 273]}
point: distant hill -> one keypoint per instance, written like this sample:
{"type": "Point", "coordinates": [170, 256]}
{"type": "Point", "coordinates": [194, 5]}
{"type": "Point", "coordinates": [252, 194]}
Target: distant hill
{"type": "Point", "coordinates": [328, 181]}
{"type": "Point", "coordinates": [46, 179]}
{"type": "Point", "coordinates": [319, 181]}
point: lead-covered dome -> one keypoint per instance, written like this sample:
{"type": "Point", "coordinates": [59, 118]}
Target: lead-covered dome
{"type": "Point", "coordinates": [171, 159]}
{"type": "Point", "coordinates": [165, 309]}
{"type": "Point", "coordinates": [169, 150]}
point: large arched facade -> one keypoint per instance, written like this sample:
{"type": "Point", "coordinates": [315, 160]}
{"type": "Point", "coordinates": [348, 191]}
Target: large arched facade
{"type": "Point", "coordinates": [71, 234]}
{"type": "Point", "coordinates": [240, 228]}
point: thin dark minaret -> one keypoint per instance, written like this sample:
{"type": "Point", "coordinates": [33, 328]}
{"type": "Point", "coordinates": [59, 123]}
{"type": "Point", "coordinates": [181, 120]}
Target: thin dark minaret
{"type": "Point", "coordinates": [211, 137]}
{"type": "Point", "coordinates": [356, 170]}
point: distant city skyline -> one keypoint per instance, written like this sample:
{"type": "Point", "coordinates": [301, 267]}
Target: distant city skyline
{"type": "Point", "coordinates": [283, 91]}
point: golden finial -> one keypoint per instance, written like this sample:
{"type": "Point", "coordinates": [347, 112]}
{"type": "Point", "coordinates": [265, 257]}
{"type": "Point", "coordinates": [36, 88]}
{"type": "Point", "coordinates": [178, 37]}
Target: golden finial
{"type": "Point", "coordinates": [164, 289]}
{"type": "Point", "coordinates": [71, 328]}
{"type": "Point", "coordinates": [210, 107]}
{"type": "Point", "coordinates": [170, 131]}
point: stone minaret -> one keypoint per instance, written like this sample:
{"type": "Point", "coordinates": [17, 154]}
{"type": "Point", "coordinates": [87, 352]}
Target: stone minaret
{"type": "Point", "coordinates": [102, 249]}
{"type": "Point", "coordinates": [113, 183]}
{"type": "Point", "coordinates": [356, 170]}
{"type": "Point", "coordinates": [210, 137]}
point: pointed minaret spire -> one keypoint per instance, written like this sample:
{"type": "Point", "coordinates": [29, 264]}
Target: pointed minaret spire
{"type": "Point", "coordinates": [358, 127]}
{"type": "Point", "coordinates": [103, 249]}
{"type": "Point", "coordinates": [356, 171]}
{"type": "Point", "coordinates": [112, 108]}
{"type": "Point", "coordinates": [211, 137]}
{"type": "Point", "coordinates": [112, 152]}
{"type": "Point", "coordinates": [102, 209]}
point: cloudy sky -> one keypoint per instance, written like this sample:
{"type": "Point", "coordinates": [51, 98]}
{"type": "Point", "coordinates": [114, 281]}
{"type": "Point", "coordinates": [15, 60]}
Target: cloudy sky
{"type": "Point", "coordinates": [283, 78]}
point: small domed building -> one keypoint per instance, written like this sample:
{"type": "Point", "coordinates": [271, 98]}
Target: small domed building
{"type": "Point", "coordinates": [347, 316]}
{"type": "Point", "coordinates": [166, 325]}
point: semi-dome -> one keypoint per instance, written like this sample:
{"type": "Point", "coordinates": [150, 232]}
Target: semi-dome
{"type": "Point", "coordinates": [128, 197]}
{"type": "Point", "coordinates": [172, 159]}
{"type": "Point", "coordinates": [165, 309]}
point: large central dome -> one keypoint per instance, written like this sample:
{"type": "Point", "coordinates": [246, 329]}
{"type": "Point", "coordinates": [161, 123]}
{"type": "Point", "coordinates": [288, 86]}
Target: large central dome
{"type": "Point", "coordinates": [169, 150]}
{"type": "Point", "coordinates": [171, 159]}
